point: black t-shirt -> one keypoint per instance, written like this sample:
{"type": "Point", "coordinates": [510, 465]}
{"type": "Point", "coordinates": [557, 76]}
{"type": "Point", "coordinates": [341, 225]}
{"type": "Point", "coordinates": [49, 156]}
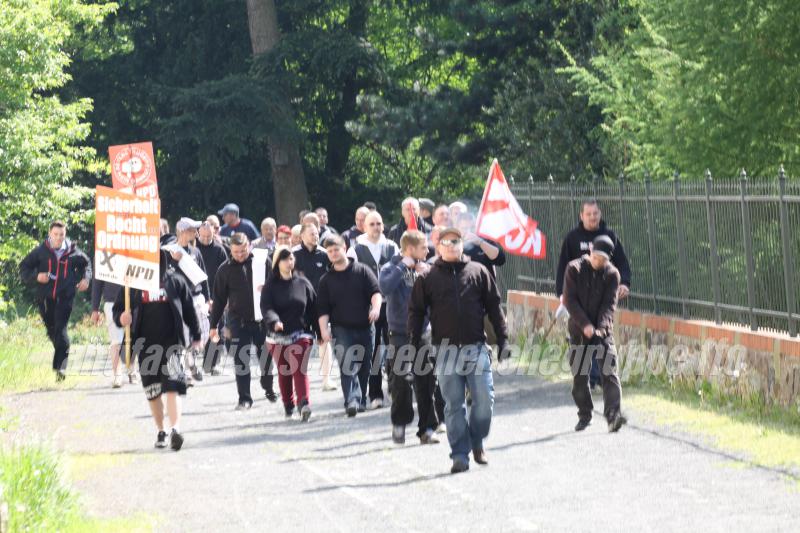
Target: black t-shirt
{"type": "Point", "coordinates": [346, 295]}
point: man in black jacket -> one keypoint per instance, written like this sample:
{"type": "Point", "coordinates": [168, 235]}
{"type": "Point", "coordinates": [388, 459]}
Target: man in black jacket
{"type": "Point", "coordinates": [214, 255]}
{"type": "Point", "coordinates": [576, 244]}
{"type": "Point", "coordinates": [409, 209]}
{"type": "Point", "coordinates": [458, 293]}
{"type": "Point", "coordinates": [157, 321]}
{"type": "Point", "coordinates": [590, 295]}
{"type": "Point", "coordinates": [59, 268]}
{"type": "Point", "coordinates": [233, 287]}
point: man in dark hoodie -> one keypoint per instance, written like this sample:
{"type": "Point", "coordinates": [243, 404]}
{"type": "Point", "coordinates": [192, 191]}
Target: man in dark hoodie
{"type": "Point", "coordinates": [409, 210]}
{"type": "Point", "coordinates": [576, 244]}
{"type": "Point", "coordinates": [59, 268]}
{"type": "Point", "coordinates": [410, 371]}
{"type": "Point", "coordinates": [458, 292]}
{"type": "Point", "coordinates": [591, 286]}
{"type": "Point", "coordinates": [158, 336]}
{"type": "Point", "coordinates": [214, 255]}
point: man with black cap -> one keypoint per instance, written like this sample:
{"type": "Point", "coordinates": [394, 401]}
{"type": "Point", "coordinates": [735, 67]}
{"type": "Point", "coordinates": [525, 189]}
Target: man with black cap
{"type": "Point", "coordinates": [457, 292]}
{"type": "Point", "coordinates": [234, 224]}
{"type": "Point", "coordinates": [426, 207]}
{"type": "Point", "coordinates": [576, 244]}
{"type": "Point", "coordinates": [591, 286]}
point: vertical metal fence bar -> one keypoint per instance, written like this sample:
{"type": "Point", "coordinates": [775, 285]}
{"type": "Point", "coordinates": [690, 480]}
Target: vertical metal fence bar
{"type": "Point", "coordinates": [651, 239]}
{"type": "Point", "coordinates": [748, 249]}
{"type": "Point", "coordinates": [787, 255]}
{"type": "Point", "coordinates": [553, 253]}
{"type": "Point", "coordinates": [712, 239]}
{"type": "Point", "coordinates": [573, 190]}
{"type": "Point", "coordinates": [682, 261]}
{"type": "Point", "coordinates": [537, 287]}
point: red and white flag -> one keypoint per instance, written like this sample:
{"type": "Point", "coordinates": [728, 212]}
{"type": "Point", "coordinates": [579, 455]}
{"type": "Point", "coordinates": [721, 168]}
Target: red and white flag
{"type": "Point", "coordinates": [501, 219]}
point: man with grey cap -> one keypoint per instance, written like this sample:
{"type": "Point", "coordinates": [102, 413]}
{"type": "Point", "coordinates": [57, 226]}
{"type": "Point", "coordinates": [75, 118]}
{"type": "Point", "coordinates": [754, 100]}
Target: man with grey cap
{"type": "Point", "coordinates": [234, 224]}
{"type": "Point", "coordinates": [186, 234]}
{"type": "Point", "coordinates": [457, 292]}
{"type": "Point", "coordinates": [591, 286]}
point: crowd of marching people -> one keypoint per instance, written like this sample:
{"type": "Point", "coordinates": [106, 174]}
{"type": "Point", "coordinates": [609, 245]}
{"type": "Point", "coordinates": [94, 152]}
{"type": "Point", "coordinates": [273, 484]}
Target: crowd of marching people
{"type": "Point", "coordinates": [416, 302]}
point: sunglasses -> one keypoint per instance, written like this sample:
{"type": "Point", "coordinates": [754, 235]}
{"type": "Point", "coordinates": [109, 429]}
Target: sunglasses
{"type": "Point", "coordinates": [450, 242]}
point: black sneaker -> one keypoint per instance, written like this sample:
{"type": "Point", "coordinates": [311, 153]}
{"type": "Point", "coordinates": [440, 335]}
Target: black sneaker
{"type": "Point", "coordinates": [583, 424]}
{"type": "Point", "coordinates": [362, 408]}
{"type": "Point", "coordinates": [60, 376]}
{"type": "Point", "coordinates": [161, 439]}
{"type": "Point", "coordinates": [305, 412]}
{"type": "Point", "coordinates": [459, 465]}
{"type": "Point", "coordinates": [616, 422]}
{"type": "Point", "coordinates": [243, 406]}
{"type": "Point", "coordinates": [175, 440]}
{"type": "Point", "coordinates": [271, 396]}
{"type": "Point", "coordinates": [352, 409]}
{"type": "Point", "coordinates": [399, 434]}
{"type": "Point", "coordinates": [289, 410]}
{"type": "Point", "coordinates": [197, 373]}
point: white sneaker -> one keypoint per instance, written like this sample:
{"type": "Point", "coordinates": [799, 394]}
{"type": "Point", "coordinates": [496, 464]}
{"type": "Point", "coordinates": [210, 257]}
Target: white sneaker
{"type": "Point", "coordinates": [442, 428]}
{"type": "Point", "coordinates": [117, 381]}
{"type": "Point", "coordinates": [377, 403]}
{"type": "Point", "coordinates": [327, 387]}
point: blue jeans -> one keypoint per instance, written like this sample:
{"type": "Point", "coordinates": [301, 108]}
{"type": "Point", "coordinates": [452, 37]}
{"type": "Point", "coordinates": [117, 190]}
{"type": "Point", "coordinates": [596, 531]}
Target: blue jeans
{"type": "Point", "coordinates": [456, 369]}
{"type": "Point", "coordinates": [353, 350]}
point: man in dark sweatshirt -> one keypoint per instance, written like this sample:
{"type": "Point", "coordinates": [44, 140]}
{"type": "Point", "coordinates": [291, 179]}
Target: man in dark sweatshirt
{"type": "Point", "coordinates": [409, 210]}
{"type": "Point", "coordinates": [576, 244]}
{"type": "Point", "coordinates": [214, 255]}
{"type": "Point", "coordinates": [458, 292]}
{"type": "Point", "coordinates": [410, 371]}
{"type": "Point", "coordinates": [233, 287]}
{"type": "Point", "coordinates": [349, 299]}
{"type": "Point", "coordinates": [590, 295]}
{"type": "Point", "coordinates": [60, 269]}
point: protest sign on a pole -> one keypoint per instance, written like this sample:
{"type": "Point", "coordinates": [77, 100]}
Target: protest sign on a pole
{"type": "Point", "coordinates": [133, 169]}
{"type": "Point", "coordinates": [126, 237]}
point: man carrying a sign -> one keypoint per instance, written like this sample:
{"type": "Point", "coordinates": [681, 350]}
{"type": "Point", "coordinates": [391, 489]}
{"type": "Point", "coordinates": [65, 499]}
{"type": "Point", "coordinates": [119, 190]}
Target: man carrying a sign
{"type": "Point", "coordinates": [59, 268]}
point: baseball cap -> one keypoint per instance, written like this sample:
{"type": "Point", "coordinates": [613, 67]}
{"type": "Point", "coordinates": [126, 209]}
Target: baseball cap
{"type": "Point", "coordinates": [426, 203]}
{"type": "Point", "coordinates": [450, 231]}
{"type": "Point", "coordinates": [187, 223]}
{"type": "Point", "coordinates": [603, 245]}
{"type": "Point", "coordinates": [229, 208]}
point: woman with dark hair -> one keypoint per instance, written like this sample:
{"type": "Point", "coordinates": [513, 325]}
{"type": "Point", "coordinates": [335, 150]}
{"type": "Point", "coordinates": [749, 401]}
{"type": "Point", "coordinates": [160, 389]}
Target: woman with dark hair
{"type": "Point", "coordinates": [288, 304]}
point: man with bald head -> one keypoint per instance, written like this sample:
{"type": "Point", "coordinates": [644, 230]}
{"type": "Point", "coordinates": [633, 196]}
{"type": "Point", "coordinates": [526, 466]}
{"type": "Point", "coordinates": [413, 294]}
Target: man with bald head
{"type": "Point", "coordinates": [357, 229]}
{"type": "Point", "coordinates": [409, 210]}
{"type": "Point", "coordinates": [375, 250]}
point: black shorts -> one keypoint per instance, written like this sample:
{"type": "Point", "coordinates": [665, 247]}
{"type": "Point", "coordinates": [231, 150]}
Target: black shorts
{"type": "Point", "coordinates": [161, 370]}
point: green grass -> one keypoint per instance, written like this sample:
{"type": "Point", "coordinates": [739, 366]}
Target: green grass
{"type": "Point", "coordinates": [26, 354]}
{"type": "Point", "coordinates": [39, 498]}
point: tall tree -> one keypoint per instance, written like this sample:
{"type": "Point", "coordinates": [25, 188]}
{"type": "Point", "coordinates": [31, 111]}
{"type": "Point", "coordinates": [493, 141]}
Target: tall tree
{"type": "Point", "coordinates": [288, 179]}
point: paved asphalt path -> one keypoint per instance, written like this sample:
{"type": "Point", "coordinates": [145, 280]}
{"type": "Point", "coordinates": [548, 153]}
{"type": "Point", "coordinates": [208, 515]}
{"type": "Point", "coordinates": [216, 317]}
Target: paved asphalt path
{"type": "Point", "coordinates": [256, 471]}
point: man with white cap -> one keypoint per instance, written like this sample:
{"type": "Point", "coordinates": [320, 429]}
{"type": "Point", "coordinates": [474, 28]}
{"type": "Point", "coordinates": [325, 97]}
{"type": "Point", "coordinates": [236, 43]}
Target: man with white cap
{"type": "Point", "coordinates": [186, 233]}
{"type": "Point", "coordinates": [234, 224]}
{"type": "Point", "coordinates": [591, 286]}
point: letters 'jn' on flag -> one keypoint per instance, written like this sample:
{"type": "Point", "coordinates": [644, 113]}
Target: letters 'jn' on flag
{"type": "Point", "coordinates": [501, 219]}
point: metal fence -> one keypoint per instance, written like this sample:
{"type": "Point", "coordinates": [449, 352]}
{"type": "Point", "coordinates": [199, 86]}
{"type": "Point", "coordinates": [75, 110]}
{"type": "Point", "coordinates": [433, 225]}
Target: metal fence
{"type": "Point", "coordinates": [721, 250]}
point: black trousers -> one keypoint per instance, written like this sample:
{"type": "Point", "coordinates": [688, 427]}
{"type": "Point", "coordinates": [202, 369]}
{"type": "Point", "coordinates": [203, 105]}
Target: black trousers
{"type": "Point", "coordinates": [381, 338]}
{"type": "Point", "coordinates": [55, 315]}
{"type": "Point", "coordinates": [245, 338]}
{"type": "Point", "coordinates": [410, 376]}
{"type": "Point", "coordinates": [580, 359]}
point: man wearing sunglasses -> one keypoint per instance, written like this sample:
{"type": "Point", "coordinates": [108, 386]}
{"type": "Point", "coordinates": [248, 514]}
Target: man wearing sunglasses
{"type": "Point", "coordinates": [456, 293]}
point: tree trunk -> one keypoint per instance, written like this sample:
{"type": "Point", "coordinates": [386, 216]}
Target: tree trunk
{"type": "Point", "coordinates": [288, 180]}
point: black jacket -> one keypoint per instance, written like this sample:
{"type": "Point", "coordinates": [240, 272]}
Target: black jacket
{"type": "Point", "coordinates": [350, 235]}
{"type": "Point", "coordinates": [213, 256]}
{"type": "Point", "coordinates": [197, 257]}
{"type": "Point", "coordinates": [179, 296]}
{"type": "Point", "coordinates": [292, 302]}
{"type": "Point", "coordinates": [398, 229]}
{"type": "Point", "coordinates": [458, 296]}
{"type": "Point", "coordinates": [233, 287]}
{"type": "Point", "coordinates": [576, 244]}
{"type": "Point", "coordinates": [312, 264]}
{"type": "Point", "coordinates": [590, 296]}
{"type": "Point", "coordinates": [65, 274]}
